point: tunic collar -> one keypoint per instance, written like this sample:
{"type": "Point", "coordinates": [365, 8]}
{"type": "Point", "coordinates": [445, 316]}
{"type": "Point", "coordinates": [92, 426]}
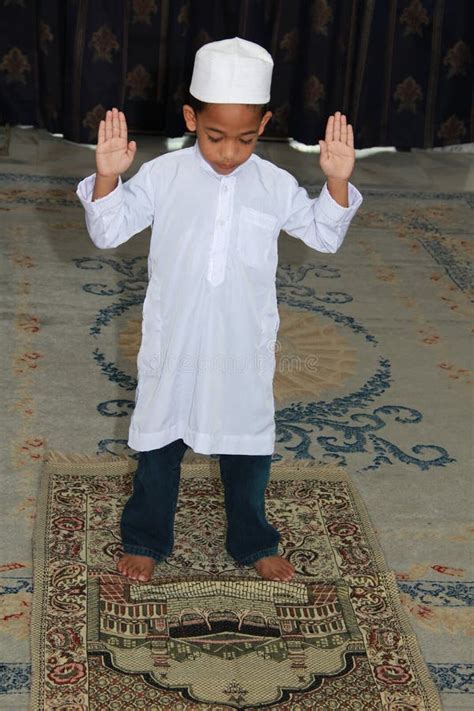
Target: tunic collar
{"type": "Point", "coordinates": [207, 166]}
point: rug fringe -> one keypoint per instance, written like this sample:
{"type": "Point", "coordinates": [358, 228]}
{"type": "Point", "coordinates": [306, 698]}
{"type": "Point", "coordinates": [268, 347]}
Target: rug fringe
{"type": "Point", "coordinates": [304, 464]}
{"type": "Point", "coordinates": [55, 456]}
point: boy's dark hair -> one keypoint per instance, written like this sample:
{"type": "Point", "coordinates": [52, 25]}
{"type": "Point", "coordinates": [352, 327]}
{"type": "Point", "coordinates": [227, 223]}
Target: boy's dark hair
{"type": "Point", "coordinates": [199, 105]}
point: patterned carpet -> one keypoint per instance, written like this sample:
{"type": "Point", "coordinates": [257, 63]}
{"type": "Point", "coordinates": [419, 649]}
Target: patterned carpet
{"type": "Point", "coordinates": [206, 632]}
{"type": "Point", "coordinates": [378, 338]}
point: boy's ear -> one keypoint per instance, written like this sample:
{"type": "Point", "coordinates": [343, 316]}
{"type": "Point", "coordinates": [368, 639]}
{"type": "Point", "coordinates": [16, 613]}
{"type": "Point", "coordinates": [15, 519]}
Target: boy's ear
{"type": "Point", "coordinates": [265, 119]}
{"type": "Point", "coordinates": [189, 117]}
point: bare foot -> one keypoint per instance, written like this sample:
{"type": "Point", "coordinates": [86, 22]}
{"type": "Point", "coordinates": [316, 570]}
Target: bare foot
{"type": "Point", "coordinates": [274, 567]}
{"type": "Point", "coordinates": [137, 567]}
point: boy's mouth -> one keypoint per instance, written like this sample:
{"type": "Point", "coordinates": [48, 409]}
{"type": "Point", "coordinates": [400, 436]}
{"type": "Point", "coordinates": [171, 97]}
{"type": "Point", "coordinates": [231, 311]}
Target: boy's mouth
{"type": "Point", "coordinates": [225, 168]}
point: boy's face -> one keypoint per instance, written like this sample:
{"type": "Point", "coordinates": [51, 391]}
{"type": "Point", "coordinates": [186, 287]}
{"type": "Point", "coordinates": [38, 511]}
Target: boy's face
{"type": "Point", "coordinates": [227, 133]}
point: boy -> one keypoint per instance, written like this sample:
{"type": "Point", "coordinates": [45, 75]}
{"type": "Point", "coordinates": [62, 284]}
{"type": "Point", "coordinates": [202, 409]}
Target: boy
{"type": "Point", "coordinates": [210, 318]}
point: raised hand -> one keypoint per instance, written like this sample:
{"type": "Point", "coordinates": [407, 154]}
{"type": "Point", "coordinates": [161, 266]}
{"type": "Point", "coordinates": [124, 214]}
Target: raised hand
{"type": "Point", "coordinates": [114, 154]}
{"type": "Point", "coordinates": [337, 156]}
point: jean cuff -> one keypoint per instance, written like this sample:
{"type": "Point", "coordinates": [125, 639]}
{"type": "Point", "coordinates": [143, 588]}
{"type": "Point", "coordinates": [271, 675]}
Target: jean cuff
{"type": "Point", "coordinates": [259, 554]}
{"type": "Point", "coordinates": [141, 550]}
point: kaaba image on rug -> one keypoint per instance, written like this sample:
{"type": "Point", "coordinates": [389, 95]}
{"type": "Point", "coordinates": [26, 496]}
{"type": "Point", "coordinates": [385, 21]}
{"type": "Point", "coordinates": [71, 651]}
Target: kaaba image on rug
{"type": "Point", "coordinates": [206, 632]}
{"type": "Point", "coordinates": [180, 628]}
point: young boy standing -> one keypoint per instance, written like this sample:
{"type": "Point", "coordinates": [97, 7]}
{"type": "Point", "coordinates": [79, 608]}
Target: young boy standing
{"type": "Point", "coordinates": [210, 319]}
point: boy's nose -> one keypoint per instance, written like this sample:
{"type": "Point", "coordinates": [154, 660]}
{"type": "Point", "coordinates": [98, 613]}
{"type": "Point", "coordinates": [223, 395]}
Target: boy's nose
{"type": "Point", "coordinates": [228, 158]}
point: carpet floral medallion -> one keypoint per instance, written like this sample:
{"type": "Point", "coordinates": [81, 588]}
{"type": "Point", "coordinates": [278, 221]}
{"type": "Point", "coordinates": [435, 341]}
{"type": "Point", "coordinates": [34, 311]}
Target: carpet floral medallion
{"type": "Point", "coordinates": [206, 632]}
{"type": "Point", "coordinates": [329, 370]}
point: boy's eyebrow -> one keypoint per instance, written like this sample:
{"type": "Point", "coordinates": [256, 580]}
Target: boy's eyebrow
{"type": "Point", "coordinates": [218, 130]}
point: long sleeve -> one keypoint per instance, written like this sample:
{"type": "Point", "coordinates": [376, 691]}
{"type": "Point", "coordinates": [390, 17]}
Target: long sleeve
{"type": "Point", "coordinates": [321, 223]}
{"type": "Point", "coordinates": [127, 210]}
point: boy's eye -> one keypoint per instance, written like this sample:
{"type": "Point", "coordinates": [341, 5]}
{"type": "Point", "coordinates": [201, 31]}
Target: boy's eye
{"type": "Point", "coordinates": [216, 140]}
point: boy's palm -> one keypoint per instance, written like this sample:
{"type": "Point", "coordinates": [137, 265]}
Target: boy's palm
{"type": "Point", "coordinates": [337, 156]}
{"type": "Point", "coordinates": [114, 154]}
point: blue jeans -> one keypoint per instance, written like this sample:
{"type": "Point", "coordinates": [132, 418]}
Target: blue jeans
{"type": "Point", "coordinates": [147, 523]}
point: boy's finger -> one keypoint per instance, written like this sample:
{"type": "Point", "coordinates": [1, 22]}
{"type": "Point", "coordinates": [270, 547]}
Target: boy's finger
{"type": "Point", "coordinates": [350, 136]}
{"type": "Point", "coordinates": [337, 126]}
{"type": "Point", "coordinates": [343, 129]}
{"type": "Point", "coordinates": [330, 129]}
{"type": "Point", "coordinates": [123, 125]}
{"type": "Point", "coordinates": [115, 123]}
{"type": "Point", "coordinates": [108, 125]}
{"type": "Point", "coordinates": [101, 132]}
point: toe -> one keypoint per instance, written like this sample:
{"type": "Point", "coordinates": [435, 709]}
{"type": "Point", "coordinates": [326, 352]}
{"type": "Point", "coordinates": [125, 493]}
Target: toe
{"type": "Point", "coordinates": [286, 572]}
{"type": "Point", "coordinates": [122, 568]}
{"type": "Point", "coordinates": [132, 572]}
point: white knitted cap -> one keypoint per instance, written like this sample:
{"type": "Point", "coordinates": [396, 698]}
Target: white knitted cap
{"type": "Point", "coordinates": [232, 71]}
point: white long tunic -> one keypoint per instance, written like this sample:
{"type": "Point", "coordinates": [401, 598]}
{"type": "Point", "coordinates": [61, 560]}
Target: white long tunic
{"type": "Point", "coordinates": [210, 319]}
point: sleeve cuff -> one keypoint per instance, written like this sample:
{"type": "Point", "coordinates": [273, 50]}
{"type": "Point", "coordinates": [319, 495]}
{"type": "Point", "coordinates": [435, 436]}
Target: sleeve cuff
{"type": "Point", "coordinates": [109, 202]}
{"type": "Point", "coordinates": [333, 210]}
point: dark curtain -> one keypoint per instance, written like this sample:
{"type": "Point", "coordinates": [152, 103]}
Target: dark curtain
{"type": "Point", "coordinates": [401, 70]}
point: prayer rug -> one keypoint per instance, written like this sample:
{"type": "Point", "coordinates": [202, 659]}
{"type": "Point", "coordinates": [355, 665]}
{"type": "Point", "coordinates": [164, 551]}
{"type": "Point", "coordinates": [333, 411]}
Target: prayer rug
{"type": "Point", "coordinates": [206, 632]}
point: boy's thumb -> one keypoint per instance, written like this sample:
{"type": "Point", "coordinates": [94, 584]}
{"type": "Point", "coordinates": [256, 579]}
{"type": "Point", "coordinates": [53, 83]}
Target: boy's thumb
{"type": "Point", "coordinates": [132, 145]}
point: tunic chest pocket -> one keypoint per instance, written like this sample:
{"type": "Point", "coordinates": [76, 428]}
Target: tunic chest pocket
{"type": "Point", "coordinates": [255, 235]}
